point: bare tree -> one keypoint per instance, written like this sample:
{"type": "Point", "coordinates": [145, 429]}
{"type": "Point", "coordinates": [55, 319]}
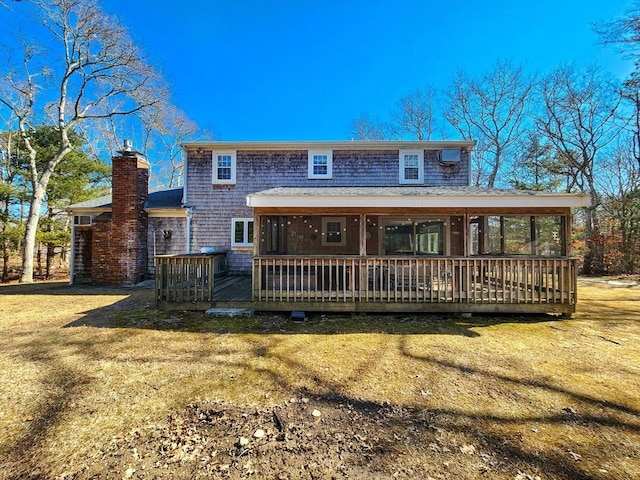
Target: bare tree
{"type": "Point", "coordinates": [158, 133]}
{"type": "Point", "coordinates": [366, 128]}
{"type": "Point", "coordinates": [491, 110]}
{"type": "Point", "coordinates": [579, 118]}
{"type": "Point", "coordinates": [173, 130]}
{"type": "Point", "coordinates": [631, 95]}
{"type": "Point", "coordinates": [91, 72]}
{"type": "Point", "coordinates": [625, 34]}
{"type": "Point", "coordinates": [620, 189]}
{"type": "Point", "coordinates": [413, 115]}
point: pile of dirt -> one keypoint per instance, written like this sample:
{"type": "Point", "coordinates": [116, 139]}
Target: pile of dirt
{"type": "Point", "coordinates": [303, 438]}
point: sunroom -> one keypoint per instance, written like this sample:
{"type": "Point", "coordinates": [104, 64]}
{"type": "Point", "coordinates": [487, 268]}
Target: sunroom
{"type": "Point", "coordinates": [460, 249]}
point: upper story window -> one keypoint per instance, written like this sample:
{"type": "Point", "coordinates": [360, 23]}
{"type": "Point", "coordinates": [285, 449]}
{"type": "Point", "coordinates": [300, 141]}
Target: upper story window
{"type": "Point", "coordinates": [320, 164]}
{"type": "Point", "coordinates": [411, 167]}
{"type": "Point", "coordinates": [224, 168]}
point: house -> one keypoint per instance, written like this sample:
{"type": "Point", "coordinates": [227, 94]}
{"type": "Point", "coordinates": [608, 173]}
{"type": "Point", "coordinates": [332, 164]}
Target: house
{"type": "Point", "coordinates": [353, 226]}
{"type": "Point", "coordinates": [116, 237]}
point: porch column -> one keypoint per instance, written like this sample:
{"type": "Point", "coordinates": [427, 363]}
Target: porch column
{"type": "Point", "coordinates": [363, 235]}
{"type": "Point", "coordinates": [362, 280]}
{"type": "Point", "coordinates": [256, 234]}
{"type": "Point", "coordinates": [466, 227]}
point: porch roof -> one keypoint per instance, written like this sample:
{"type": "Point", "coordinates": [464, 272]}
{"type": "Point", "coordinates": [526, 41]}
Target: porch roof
{"type": "Point", "coordinates": [412, 197]}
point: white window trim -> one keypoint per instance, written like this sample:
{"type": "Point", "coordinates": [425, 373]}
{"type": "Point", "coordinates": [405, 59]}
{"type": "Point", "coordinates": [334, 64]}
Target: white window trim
{"type": "Point", "coordinates": [214, 168]}
{"type": "Point", "coordinates": [343, 233]}
{"type": "Point", "coordinates": [401, 178]}
{"type": "Point", "coordinates": [246, 241]}
{"type": "Point", "coordinates": [77, 220]}
{"type": "Point", "coordinates": [329, 154]}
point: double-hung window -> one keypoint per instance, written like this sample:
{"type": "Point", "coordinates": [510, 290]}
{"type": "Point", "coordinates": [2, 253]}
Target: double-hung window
{"type": "Point", "coordinates": [411, 167]}
{"type": "Point", "coordinates": [334, 231]}
{"type": "Point", "coordinates": [224, 168]}
{"type": "Point", "coordinates": [320, 164]}
{"type": "Point", "coordinates": [242, 232]}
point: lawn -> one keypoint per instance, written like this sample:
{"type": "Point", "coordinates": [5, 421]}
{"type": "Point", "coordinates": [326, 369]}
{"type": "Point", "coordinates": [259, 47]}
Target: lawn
{"type": "Point", "coordinates": [98, 384]}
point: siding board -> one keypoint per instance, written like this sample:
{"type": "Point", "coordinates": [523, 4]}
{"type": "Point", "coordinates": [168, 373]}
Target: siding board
{"type": "Point", "coordinates": [258, 170]}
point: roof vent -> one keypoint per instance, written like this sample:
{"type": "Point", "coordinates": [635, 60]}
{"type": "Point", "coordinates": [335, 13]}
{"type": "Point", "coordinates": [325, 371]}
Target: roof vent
{"type": "Point", "coordinates": [450, 156]}
{"type": "Point", "coordinates": [127, 146]}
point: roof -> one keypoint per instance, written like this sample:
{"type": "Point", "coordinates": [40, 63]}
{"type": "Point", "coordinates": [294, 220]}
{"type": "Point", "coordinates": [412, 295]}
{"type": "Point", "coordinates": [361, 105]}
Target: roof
{"type": "Point", "coordinates": [103, 202]}
{"type": "Point", "coordinates": [158, 199]}
{"type": "Point", "coordinates": [165, 198]}
{"type": "Point", "coordinates": [331, 145]}
{"type": "Point", "coordinates": [412, 196]}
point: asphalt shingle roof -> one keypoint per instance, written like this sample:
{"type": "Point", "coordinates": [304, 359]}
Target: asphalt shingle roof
{"type": "Point", "coordinates": [411, 196]}
{"type": "Point", "coordinates": [393, 191]}
{"type": "Point", "coordinates": [157, 199]}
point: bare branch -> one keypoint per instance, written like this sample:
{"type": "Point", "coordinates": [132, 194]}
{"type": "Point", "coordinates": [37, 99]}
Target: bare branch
{"type": "Point", "coordinates": [579, 118]}
{"type": "Point", "coordinates": [414, 113]}
{"type": "Point", "coordinates": [493, 111]}
{"type": "Point", "coordinates": [366, 128]}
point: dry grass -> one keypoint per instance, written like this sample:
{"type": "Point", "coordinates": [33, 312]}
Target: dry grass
{"type": "Point", "coordinates": [561, 399]}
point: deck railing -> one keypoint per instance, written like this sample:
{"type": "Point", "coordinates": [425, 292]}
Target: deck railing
{"type": "Point", "coordinates": [379, 283]}
{"type": "Point", "coordinates": [188, 278]}
{"type": "Point", "coordinates": [491, 280]}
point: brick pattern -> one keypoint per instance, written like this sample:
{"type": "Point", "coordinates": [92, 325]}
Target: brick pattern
{"type": "Point", "coordinates": [102, 253]}
{"type": "Point", "coordinates": [82, 254]}
{"type": "Point", "coordinates": [215, 206]}
{"type": "Point", "coordinates": [119, 255]}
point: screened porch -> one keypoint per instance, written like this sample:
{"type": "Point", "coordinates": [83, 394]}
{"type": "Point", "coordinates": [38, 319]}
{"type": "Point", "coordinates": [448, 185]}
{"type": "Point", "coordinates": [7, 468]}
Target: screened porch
{"type": "Point", "coordinates": [453, 261]}
{"type": "Point", "coordinates": [413, 248]}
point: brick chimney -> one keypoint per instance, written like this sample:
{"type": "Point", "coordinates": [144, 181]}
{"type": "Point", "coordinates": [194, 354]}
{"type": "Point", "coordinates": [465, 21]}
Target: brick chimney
{"type": "Point", "coordinates": [119, 255]}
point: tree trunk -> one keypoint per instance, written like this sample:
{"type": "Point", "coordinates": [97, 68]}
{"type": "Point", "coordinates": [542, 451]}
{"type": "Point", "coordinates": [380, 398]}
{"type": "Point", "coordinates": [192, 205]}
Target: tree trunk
{"type": "Point", "coordinates": [5, 248]}
{"type": "Point", "coordinates": [491, 181]}
{"type": "Point", "coordinates": [5, 261]}
{"type": "Point", "coordinates": [587, 261]}
{"type": "Point", "coordinates": [30, 234]}
{"type": "Point", "coordinates": [51, 251]}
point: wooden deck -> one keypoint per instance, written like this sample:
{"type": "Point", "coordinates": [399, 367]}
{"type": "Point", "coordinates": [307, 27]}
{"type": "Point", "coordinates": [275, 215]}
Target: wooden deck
{"type": "Point", "coordinates": [232, 288]}
{"type": "Point", "coordinates": [415, 284]}
{"type": "Point", "coordinates": [382, 284]}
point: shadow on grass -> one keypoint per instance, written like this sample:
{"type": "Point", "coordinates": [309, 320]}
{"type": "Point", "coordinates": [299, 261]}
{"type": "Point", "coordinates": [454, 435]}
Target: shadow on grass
{"type": "Point", "coordinates": [65, 384]}
{"type": "Point", "coordinates": [63, 288]}
{"type": "Point", "coordinates": [59, 389]}
{"type": "Point", "coordinates": [315, 324]}
{"type": "Point", "coordinates": [496, 436]}
{"type": "Point", "coordinates": [138, 312]}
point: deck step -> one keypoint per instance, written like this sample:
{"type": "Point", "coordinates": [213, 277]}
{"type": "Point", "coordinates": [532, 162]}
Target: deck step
{"type": "Point", "coordinates": [230, 312]}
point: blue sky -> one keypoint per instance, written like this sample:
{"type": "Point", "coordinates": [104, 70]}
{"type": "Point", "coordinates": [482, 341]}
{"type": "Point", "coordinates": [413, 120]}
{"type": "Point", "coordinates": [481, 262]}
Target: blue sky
{"type": "Point", "coordinates": [303, 70]}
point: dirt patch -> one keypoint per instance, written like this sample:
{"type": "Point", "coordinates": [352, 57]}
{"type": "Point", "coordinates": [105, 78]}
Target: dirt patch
{"type": "Point", "coordinates": [305, 437]}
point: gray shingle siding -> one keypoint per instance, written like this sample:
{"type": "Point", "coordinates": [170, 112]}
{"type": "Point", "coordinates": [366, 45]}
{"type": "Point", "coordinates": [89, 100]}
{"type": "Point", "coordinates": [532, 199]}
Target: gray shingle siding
{"type": "Point", "coordinates": [215, 205]}
{"type": "Point", "coordinates": [159, 244]}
